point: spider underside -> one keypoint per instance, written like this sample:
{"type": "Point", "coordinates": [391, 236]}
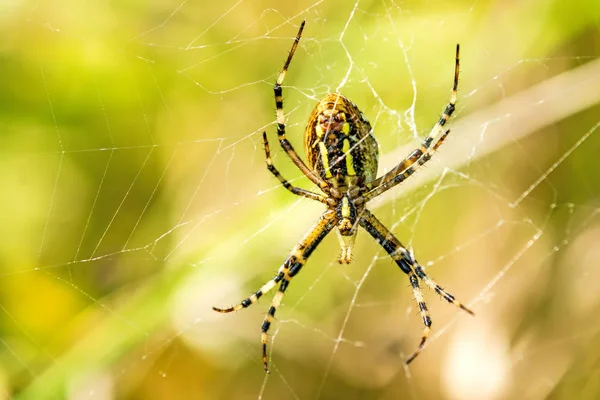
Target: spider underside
{"type": "Point", "coordinates": [342, 155]}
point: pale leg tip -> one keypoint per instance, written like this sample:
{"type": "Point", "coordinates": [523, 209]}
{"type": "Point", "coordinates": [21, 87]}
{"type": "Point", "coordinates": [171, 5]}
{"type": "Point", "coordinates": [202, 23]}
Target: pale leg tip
{"type": "Point", "coordinates": [465, 308]}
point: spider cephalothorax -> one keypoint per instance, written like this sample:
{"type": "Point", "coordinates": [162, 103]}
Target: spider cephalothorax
{"type": "Point", "coordinates": [346, 213]}
{"type": "Point", "coordinates": [342, 161]}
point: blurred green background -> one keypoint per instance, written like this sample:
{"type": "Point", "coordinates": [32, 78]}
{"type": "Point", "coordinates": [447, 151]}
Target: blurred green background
{"type": "Point", "coordinates": [134, 197]}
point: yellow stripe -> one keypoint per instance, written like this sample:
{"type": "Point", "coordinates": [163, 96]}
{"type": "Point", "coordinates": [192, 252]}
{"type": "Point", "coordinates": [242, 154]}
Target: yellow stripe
{"type": "Point", "coordinates": [349, 159]}
{"type": "Point", "coordinates": [325, 160]}
{"type": "Point", "coordinates": [345, 208]}
{"type": "Point", "coordinates": [319, 131]}
{"type": "Point", "coordinates": [346, 128]}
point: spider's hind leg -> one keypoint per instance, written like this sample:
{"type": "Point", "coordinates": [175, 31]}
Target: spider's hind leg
{"type": "Point", "coordinates": [407, 263]}
{"type": "Point", "coordinates": [290, 267]}
{"type": "Point", "coordinates": [398, 252]}
{"type": "Point", "coordinates": [269, 319]}
{"type": "Point", "coordinates": [433, 285]}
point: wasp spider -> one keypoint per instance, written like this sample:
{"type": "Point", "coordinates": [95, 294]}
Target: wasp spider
{"type": "Point", "coordinates": [342, 158]}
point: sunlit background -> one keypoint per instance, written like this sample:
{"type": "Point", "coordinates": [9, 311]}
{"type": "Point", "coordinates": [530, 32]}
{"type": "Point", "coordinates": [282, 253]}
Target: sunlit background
{"type": "Point", "coordinates": [134, 196]}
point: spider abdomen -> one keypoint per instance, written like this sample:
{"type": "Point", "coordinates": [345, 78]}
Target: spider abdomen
{"type": "Point", "coordinates": [339, 143]}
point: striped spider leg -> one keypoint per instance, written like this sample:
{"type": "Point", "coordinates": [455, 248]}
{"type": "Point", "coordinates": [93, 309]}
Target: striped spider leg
{"type": "Point", "coordinates": [418, 154]}
{"type": "Point", "coordinates": [407, 263]}
{"type": "Point", "coordinates": [285, 144]}
{"type": "Point", "coordinates": [401, 177]}
{"type": "Point", "coordinates": [291, 266]}
{"type": "Point", "coordinates": [342, 160]}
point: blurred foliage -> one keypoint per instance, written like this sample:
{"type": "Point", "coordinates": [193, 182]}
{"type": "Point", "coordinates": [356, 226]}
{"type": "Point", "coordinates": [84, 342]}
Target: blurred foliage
{"type": "Point", "coordinates": [134, 197]}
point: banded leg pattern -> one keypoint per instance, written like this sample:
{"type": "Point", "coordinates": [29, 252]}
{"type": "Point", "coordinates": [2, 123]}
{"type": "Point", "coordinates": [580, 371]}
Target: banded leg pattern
{"type": "Point", "coordinates": [269, 319]}
{"type": "Point", "coordinates": [451, 104]}
{"type": "Point", "coordinates": [439, 290]}
{"type": "Point", "coordinates": [407, 263]}
{"type": "Point", "coordinates": [300, 254]}
{"type": "Point", "coordinates": [396, 180]}
{"type": "Point", "coordinates": [292, 266]}
{"type": "Point", "coordinates": [285, 144]}
{"type": "Point", "coordinates": [414, 282]}
{"type": "Point", "coordinates": [247, 302]}
{"type": "Point", "coordinates": [425, 145]}
{"type": "Point", "coordinates": [296, 190]}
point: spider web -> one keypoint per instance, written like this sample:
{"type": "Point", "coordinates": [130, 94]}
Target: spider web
{"type": "Point", "coordinates": [135, 197]}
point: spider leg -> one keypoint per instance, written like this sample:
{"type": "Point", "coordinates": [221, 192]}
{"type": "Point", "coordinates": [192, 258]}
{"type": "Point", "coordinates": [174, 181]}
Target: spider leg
{"type": "Point", "coordinates": [295, 262]}
{"type": "Point", "coordinates": [296, 190]}
{"type": "Point", "coordinates": [414, 282]}
{"type": "Point", "coordinates": [384, 187]}
{"type": "Point", "coordinates": [433, 285]}
{"type": "Point", "coordinates": [397, 251]}
{"type": "Point", "coordinates": [407, 263]}
{"type": "Point", "coordinates": [415, 155]}
{"type": "Point", "coordinates": [285, 144]}
{"type": "Point", "coordinates": [264, 329]}
{"type": "Point", "coordinates": [290, 267]}
{"type": "Point", "coordinates": [247, 302]}
{"type": "Point", "coordinates": [449, 108]}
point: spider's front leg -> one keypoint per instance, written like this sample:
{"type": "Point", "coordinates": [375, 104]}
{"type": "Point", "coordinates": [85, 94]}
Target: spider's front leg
{"type": "Point", "coordinates": [291, 266]}
{"type": "Point", "coordinates": [401, 177]}
{"type": "Point", "coordinates": [296, 190]}
{"type": "Point", "coordinates": [424, 152]}
{"type": "Point", "coordinates": [285, 144]}
{"type": "Point", "coordinates": [407, 263]}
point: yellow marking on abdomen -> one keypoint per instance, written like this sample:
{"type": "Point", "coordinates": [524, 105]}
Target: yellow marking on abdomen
{"type": "Point", "coordinates": [319, 131]}
{"type": "Point", "coordinates": [349, 159]}
{"type": "Point", "coordinates": [325, 160]}
{"type": "Point", "coordinates": [346, 128]}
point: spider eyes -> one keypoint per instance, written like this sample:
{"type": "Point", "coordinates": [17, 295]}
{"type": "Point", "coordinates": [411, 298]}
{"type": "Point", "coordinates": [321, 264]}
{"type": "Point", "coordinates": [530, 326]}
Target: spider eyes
{"type": "Point", "coordinates": [327, 118]}
{"type": "Point", "coordinates": [328, 121]}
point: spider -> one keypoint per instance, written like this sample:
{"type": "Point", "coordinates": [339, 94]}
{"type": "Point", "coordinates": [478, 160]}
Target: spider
{"type": "Point", "coordinates": [342, 157]}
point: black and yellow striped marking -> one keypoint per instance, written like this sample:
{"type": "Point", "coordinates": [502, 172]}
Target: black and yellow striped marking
{"type": "Point", "coordinates": [408, 172]}
{"type": "Point", "coordinates": [342, 156]}
{"type": "Point", "coordinates": [414, 282]}
{"type": "Point", "coordinates": [292, 266]}
{"type": "Point", "coordinates": [423, 153]}
{"type": "Point", "coordinates": [339, 143]}
{"type": "Point", "coordinates": [296, 190]}
{"type": "Point", "coordinates": [349, 158]}
{"type": "Point", "coordinates": [325, 160]}
{"type": "Point", "coordinates": [431, 283]}
{"type": "Point", "coordinates": [269, 319]}
{"type": "Point", "coordinates": [252, 299]}
{"type": "Point", "coordinates": [449, 110]}
{"type": "Point", "coordinates": [410, 267]}
{"type": "Point", "coordinates": [285, 144]}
